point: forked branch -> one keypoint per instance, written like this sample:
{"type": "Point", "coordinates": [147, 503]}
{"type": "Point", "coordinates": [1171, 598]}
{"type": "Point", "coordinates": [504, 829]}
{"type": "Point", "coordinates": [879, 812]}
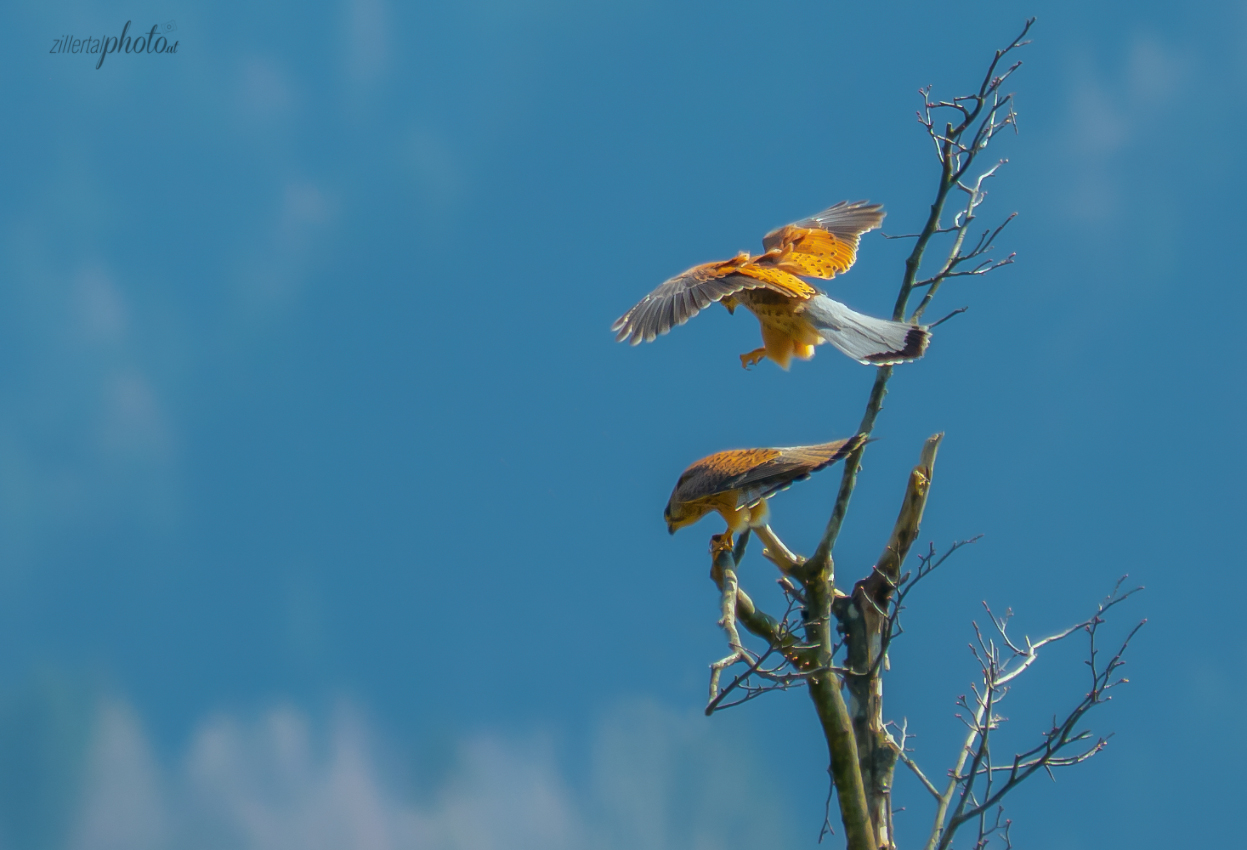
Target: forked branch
{"type": "Point", "coordinates": [977, 784]}
{"type": "Point", "coordinates": [976, 119]}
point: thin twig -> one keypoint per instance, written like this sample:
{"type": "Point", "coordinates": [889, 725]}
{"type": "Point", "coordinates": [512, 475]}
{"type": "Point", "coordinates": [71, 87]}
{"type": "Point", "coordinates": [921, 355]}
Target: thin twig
{"type": "Point", "coordinates": [955, 158]}
{"type": "Point", "coordinates": [1000, 664]}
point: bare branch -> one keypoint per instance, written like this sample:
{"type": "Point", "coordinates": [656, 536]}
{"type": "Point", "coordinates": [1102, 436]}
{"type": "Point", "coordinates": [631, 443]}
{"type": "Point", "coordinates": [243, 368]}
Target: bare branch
{"type": "Point", "coordinates": [1063, 745]}
{"type": "Point", "coordinates": [956, 157]}
{"type": "Point", "coordinates": [727, 605]}
{"type": "Point", "coordinates": [863, 755]}
{"type": "Point", "coordinates": [901, 752]}
{"type": "Point", "coordinates": [927, 564]}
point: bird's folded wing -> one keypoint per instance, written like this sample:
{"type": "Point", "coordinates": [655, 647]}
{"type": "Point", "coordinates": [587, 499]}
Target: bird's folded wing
{"type": "Point", "coordinates": [823, 245]}
{"type": "Point", "coordinates": [715, 474]}
{"type": "Point", "coordinates": [757, 473]}
{"type": "Point", "coordinates": [788, 466]}
{"type": "Point", "coordinates": [684, 296]}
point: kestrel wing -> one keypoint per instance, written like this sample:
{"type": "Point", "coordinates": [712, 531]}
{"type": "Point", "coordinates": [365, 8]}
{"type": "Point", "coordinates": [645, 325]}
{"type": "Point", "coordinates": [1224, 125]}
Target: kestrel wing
{"type": "Point", "coordinates": [684, 296]}
{"type": "Point", "coordinates": [715, 474]}
{"type": "Point", "coordinates": [778, 280]}
{"type": "Point", "coordinates": [823, 245]}
{"type": "Point", "coordinates": [789, 465]}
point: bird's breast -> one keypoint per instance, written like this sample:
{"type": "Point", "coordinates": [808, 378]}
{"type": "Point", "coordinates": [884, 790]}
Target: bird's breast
{"type": "Point", "coordinates": [777, 311]}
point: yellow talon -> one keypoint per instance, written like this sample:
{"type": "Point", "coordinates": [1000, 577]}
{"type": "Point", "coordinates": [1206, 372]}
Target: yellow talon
{"type": "Point", "coordinates": [752, 358]}
{"type": "Point", "coordinates": [721, 543]}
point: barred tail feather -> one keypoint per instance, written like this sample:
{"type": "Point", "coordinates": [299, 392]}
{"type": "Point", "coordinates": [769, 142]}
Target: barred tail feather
{"type": "Point", "coordinates": [866, 339]}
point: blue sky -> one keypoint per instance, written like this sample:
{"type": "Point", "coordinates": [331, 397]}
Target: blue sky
{"type": "Point", "coordinates": [330, 512]}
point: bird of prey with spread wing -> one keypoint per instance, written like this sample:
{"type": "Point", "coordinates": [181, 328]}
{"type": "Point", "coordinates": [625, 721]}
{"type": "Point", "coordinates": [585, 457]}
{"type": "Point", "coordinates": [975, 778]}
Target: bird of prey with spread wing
{"type": "Point", "coordinates": [795, 316]}
{"type": "Point", "coordinates": [737, 484]}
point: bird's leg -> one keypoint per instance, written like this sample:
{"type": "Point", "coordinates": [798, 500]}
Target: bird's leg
{"type": "Point", "coordinates": [752, 358]}
{"type": "Point", "coordinates": [775, 550]}
{"type": "Point", "coordinates": [721, 543]}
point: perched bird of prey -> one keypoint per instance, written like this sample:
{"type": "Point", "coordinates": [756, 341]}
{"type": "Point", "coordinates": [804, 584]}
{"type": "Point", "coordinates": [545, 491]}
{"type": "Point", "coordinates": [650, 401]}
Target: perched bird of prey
{"type": "Point", "coordinates": [795, 316]}
{"type": "Point", "coordinates": [737, 483]}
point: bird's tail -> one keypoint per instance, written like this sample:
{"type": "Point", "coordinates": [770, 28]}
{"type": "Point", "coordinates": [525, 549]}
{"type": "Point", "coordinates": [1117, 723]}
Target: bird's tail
{"type": "Point", "coordinates": [825, 454]}
{"type": "Point", "coordinates": [866, 339]}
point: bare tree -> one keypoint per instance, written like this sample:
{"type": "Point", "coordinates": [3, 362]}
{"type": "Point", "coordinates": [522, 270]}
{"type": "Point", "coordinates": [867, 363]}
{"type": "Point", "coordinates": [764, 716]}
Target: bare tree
{"type": "Point", "coordinates": [832, 642]}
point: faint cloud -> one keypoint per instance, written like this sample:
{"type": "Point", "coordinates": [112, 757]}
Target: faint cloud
{"type": "Point", "coordinates": [502, 794]}
{"type": "Point", "coordinates": [276, 784]}
{"type": "Point", "coordinates": [101, 312]}
{"type": "Point", "coordinates": [132, 421]}
{"type": "Point", "coordinates": [1157, 73]}
{"type": "Point", "coordinates": [304, 207]}
{"type": "Point", "coordinates": [264, 88]}
{"type": "Point", "coordinates": [665, 779]}
{"type": "Point", "coordinates": [1099, 121]}
{"type": "Point", "coordinates": [303, 212]}
{"type": "Point", "coordinates": [429, 161]}
{"type": "Point", "coordinates": [367, 41]}
{"type": "Point", "coordinates": [1111, 113]}
{"type": "Point", "coordinates": [86, 438]}
{"type": "Point", "coordinates": [657, 779]}
{"type": "Point", "coordinates": [123, 808]}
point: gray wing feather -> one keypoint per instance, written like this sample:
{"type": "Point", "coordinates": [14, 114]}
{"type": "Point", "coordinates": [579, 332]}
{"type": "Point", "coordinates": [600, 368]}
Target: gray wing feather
{"type": "Point", "coordinates": [675, 302]}
{"type": "Point", "coordinates": [794, 464]}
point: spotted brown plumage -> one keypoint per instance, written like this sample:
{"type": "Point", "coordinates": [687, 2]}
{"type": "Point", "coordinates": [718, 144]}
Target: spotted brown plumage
{"type": "Point", "coordinates": [795, 316]}
{"type": "Point", "coordinates": [737, 483]}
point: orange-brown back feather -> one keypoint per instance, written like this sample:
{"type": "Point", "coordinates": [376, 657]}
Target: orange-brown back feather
{"type": "Point", "coordinates": [823, 245]}
{"type": "Point", "coordinates": [757, 473]}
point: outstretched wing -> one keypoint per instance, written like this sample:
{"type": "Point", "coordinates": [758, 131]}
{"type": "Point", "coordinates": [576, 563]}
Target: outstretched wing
{"type": "Point", "coordinates": [684, 296]}
{"type": "Point", "coordinates": [758, 473]}
{"type": "Point", "coordinates": [823, 245]}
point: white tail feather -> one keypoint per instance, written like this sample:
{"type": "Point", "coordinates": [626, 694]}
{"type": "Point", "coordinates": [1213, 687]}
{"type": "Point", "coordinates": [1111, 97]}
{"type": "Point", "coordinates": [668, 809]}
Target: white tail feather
{"type": "Point", "coordinates": [865, 338]}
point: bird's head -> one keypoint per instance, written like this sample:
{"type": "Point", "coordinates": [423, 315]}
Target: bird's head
{"type": "Point", "coordinates": [677, 516]}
